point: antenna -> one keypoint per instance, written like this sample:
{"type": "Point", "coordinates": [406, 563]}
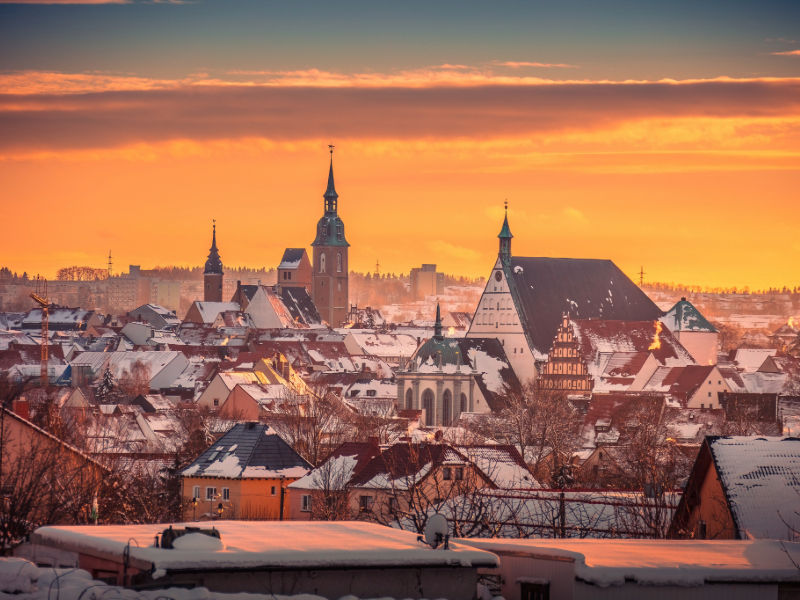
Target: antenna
{"type": "Point", "coordinates": [109, 264]}
{"type": "Point", "coordinates": [377, 268]}
{"type": "Point", "coordinates": [641, 277]}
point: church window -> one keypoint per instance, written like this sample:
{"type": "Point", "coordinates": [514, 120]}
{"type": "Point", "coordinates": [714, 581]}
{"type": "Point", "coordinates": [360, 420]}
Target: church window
{"type": "Point", "coordinates": [339, 262]}
{"type": "Point", "coordinates": [409, 399]}
{"type": "Point", "coordinates": [463, 403]}
{"type": "Point", "coordinates": [503, 319]}
{"type": "Point", "coordinates": [322, 263]}
{"type": "Point", "coordinates": [339, 285]}
{"type": "Point", "coordinates": [427, 404]}
{"type": "Point", "coordinates": [447, 407]}
{"type": "Point", "coordinates": [339, 232]}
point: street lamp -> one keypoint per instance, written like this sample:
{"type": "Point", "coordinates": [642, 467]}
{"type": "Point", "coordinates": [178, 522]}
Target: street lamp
{"type": "Point", "coordinates": [194, 508]}
{"type": "Point", "coordinates": [220, 508]}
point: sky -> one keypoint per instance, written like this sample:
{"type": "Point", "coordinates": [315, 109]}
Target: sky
{"type": "Point", "coordinates": [663, 136]}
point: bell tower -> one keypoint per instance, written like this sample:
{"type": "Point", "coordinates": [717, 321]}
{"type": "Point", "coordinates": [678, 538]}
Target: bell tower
{"type": "Point", "coordinates": [213, 275]}
{"type": "Point", "coordinates": [330, 268]}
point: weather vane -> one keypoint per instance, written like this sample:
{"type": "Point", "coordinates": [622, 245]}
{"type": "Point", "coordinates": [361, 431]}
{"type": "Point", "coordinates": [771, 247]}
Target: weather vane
{"type": "Point", "coordinates": [506, 203]}
{"type": "Point", "coordinates": [331, 146]}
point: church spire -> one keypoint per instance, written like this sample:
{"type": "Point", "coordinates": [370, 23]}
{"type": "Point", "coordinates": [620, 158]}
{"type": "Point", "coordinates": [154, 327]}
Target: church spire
{"type": "Point", "coordinates": [505, 237]}
{"type": "Point", "coordinates": [330, 194]}
{"type": "Point", "coordinates": [437, 328]}
{"type": "Point", "coordinates": [214, 262]}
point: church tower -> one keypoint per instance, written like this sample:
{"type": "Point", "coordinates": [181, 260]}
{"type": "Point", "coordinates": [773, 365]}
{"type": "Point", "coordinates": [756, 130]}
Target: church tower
{"type": "Point", "coordinates": [330, 281]}
{"type": "Point", "coordinates": [505, 241]}
{"type": "Point", "coordinates": [213, 275]}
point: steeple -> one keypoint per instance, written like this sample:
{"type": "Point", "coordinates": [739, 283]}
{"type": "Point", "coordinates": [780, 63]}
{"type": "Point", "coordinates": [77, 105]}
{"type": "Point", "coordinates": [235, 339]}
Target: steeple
{"type": "Point", "coordinates": [214, 262]}
{"type": "Point", "coordinates": [505, 238]}
{"type": "Point", "coordinates": [330, 195]}
{"type": "Point", "coordinates": [437, 328]}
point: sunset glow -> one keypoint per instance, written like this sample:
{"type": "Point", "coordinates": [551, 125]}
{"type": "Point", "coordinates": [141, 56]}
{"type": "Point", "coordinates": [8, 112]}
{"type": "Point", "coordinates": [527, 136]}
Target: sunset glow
{"type": "Point", "coordinates": [685, 167]}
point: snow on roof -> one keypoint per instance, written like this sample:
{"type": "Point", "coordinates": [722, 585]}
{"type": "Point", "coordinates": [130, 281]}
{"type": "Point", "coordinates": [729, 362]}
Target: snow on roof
{"type": "Point", "coordinates": [384, 344]}
{"type": "Point", "coordinates": [292, 258]}
{"type": "Point", "coordinates": [338, 469]}
{"type": "Point", "coordinates": [249, 450]}
{"type": "Point", "coordinates": [264, 393]}
{"type": "Point", "coordinates": [254, 544]}
{"type": "Point", "coordinates": [662, 562]}
{"type": "Point", "coordinates": [596, 338]}
{"type": "Point", "coordinates": [123, 361]}
{"type": "Point", "coordinates": [761, 477]}
{"type": "Point", "coordinates": [209, 311]}
{"type": "Point", "coordinates": [750, 359]}
{"type": "Point", "coordinates": [503, 465]}
{"type": "Point", "coordinates": [685, 317]}
{"type": "Point", "coordinates": [373, 388]}
{"type": "Point", "coordinates": [233, 378]}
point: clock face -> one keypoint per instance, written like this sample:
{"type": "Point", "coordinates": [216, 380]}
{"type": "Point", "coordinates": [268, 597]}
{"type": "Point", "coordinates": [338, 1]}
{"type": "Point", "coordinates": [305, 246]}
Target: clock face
{"type": "Point", "coordinates": [498, 276]}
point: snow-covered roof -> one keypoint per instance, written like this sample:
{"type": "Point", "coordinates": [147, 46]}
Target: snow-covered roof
{"type": "Point", "coordinates": [761, 478]}
{"type": "Point", "coordinates": [750, 360]}
{"type": "Point", "coordinates": [123, 361]}
{"type": "Point", "coordinates": [210, 310]}
{"type": "Point", "coordinates": [384, 344]}
{"type": "Point", "coordinates": [662, 562]}
{"type": "Point", "coordinates": [685, 317]}
{"type": "Point", "coordinates": [249, 450]}
{"type": "Point", "coordinates": [258, 544]}
{"type": "Point", "coordinates": [503, 465]}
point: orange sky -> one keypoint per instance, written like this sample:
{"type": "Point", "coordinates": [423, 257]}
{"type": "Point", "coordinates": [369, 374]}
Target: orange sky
{"type": "Point", "coordinates": [695, 180]}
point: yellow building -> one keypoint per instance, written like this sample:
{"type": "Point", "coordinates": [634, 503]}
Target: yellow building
{"type": "Point", "coordinates": [243, 475]}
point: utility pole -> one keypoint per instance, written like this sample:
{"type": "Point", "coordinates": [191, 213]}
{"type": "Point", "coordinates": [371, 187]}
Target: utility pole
{"type": "Point", "coordinates": [641, 276]}
{"type": "Point", "coordinates": [109, 264]}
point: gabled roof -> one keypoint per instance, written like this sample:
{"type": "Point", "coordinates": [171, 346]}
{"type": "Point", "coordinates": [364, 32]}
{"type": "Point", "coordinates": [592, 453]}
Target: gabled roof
{"type": "Point", "coordinates": [403, 466]}
{"type": "Point", "coordinates": [336, 472]}
{"type": "Point", "coordinates": [605, 337]}
{"type": "Point", "coordinates": [292, 257]}
{"type": "Point", "coordinates": [546, 288]}
{"type": "Point", "coordinates": [249, 450]}
{"type": "Point", "coordinates": [299, 304]}
{"type": "Point", "coordinates": [761, 479]}
{"type": "Point", "coordinates": [679, 382]}
{"type": "Point", "coordinates": [685, 317]}
{"type": "Point", "coordinates": [609, 411]}
{"type": "Point", "coordinates": [209, 311]}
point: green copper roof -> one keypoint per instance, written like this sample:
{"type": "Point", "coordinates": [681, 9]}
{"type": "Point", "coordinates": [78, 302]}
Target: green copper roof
{"type": "Point", "coordinates": [685, 317]}
{"type": "Point", "coordinates": [330, 228]}
{"type": "Point", "coordinates": [214, 262]}
{"type": "Point", "coordinates": [331, 191]}
{"type": "Point", "coordinates": [505, 232]}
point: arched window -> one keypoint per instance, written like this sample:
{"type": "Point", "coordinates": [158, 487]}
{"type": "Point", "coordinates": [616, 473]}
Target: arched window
{"type": "Point", "coordinates": [503, 319]}
{"type": "Point", "coordinates": [322, 263]}
{"type": "Point", "coordinates": [463, 402]}
{"type": "Point", "coordinates": [338, 262]}
{"type": "Point", "coordinates": [428, 405]}
{"type": "Point", "coordinates": [447, 407]}
{"type": "Point", "coordinates": [409, 399]}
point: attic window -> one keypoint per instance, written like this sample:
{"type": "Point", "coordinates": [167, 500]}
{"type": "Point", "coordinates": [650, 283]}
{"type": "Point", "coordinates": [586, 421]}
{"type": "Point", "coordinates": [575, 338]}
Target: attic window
{"type": "Point", "coordinates": [212, 457]}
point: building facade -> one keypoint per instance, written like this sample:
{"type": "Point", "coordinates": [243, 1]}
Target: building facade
{"type": "Point", "coordinates": [330, 264]}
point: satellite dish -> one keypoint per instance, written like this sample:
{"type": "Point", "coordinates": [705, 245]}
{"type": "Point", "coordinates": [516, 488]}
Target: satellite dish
{"type": "Point", "coordinates": [436, 530]}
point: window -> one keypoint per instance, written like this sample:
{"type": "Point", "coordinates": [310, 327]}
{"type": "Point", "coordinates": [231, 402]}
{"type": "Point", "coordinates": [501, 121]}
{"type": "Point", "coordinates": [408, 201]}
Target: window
{"type": "Point", "coordinates": [338, 262]}
{"type": "Point", "coordinates": [196, 492]}
{"type": "Point", "coordinates": [305, 503]}
{"type": "Point", "coordinates": [339, 285]}
{"type": "Point", "coordinates": [709, 394]}
{"type": "Point", "coordinates": [372, 393]}
{"type": "Point", "coordinates": [274, 490]}
{"type": "Point", "coordinates": [211, 492]}
{"type": "Point", "coordinates": [288, 276]}
{"type": "Point", "coordinates": [446, 474]}
{"type": "Point", "coordinates": [463, 403]}
{"type": "Point", "coordinates": [459, 473]}
{"type": "Point", "coordinates": [365, 503]}
{"type": "Point", "coordinates": [322, 263]}
{"type": "Point", "coordinates": [409, 399]}
{"type": "Point", "coordinates": [393, 506]}
{"type": "Point", "coordinates": [702, 406]}
{"type": "Point", "coordinates": [427, 405]}
{"type": "Point", "coordinates": [339, 233]}
{"type": "Point", "coordinates": [216, 401]}
{"type": "Point", "coordinates": [226, 494]}
{"type": "Point", "coordinates": [710, 406]}
{"type": "Point", "coordinates": [515, 350]}
{"type": "Point", "coordinates": [447, 407]}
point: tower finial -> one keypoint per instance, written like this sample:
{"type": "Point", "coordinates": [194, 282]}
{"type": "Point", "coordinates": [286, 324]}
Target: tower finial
{"type": "Point", "coordinates": [437, 328]}
{"type": "Point", "coordinates": [214, 262]}
{"type": "Point", "coordinates": [331, 146]}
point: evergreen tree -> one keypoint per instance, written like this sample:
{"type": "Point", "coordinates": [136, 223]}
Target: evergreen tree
{"type": "Point", "coordinates": [108, 383]}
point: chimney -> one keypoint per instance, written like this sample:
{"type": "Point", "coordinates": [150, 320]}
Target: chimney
{"type": "Point", "coordinates": [285, 367]}
{"type": "Point", "coordinates": [20, 408]}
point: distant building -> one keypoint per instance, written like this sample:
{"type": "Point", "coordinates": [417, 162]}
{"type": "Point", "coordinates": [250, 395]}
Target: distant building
{"type": "Point", "coordinates": [295, 269]}
{"type": "Point", "coordinates": [155, 315]}
{"type": "Point", "coordinates": [425, 281]}
{"type": "Point", "coordinates": [331, 281]}
{"type": "Point", "coordinates": [213, 275]}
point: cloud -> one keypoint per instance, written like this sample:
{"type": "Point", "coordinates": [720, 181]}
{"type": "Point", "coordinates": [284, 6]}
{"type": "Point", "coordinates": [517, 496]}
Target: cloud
{"type": "Point", "coordinates": [789, 53]}
{"type": "Point", "coordinates": [517, 65]}
{"type": "Point", "coordinates": [142, 111]}
{"type": "Point", "coordinates": [575, 215]}
{"type": "Point", "coordinates": [455, 251]}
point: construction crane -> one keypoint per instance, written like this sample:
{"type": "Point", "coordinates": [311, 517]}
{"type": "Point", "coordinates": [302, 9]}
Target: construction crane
{"type": "Point", "coordinates": [40, 297]}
